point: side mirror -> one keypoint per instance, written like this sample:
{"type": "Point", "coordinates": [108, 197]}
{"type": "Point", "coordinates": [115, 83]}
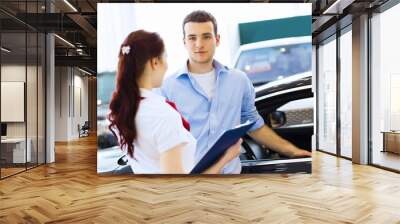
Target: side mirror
{"type": "Point", "coordinates": [277, 119]}
{"type": "Point", "coordinates": [123, 160]}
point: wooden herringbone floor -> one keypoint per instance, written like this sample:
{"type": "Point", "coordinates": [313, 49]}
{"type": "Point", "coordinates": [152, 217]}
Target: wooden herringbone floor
{"type": "Point", "coordinates": [70, 191]}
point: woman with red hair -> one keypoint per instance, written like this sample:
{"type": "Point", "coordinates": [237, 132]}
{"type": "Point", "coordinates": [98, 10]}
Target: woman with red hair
{"type": "Point", "coordinates": [149, 128]}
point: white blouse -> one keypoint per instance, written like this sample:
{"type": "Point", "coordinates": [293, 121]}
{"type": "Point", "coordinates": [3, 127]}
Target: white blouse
{"type": "Point", "coordinates": [159, 129]}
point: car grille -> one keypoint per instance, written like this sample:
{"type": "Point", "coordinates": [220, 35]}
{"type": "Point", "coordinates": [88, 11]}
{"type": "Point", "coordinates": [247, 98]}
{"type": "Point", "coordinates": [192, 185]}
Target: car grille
{"type": "Point", "coordinates": [299, 116]}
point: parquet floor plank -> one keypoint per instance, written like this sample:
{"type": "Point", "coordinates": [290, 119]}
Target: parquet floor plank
{"type": "Point", "coordinates": [70, 191]}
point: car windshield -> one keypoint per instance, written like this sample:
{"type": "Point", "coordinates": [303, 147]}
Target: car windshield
{"type": "Point", "coordinates": [267, 64]}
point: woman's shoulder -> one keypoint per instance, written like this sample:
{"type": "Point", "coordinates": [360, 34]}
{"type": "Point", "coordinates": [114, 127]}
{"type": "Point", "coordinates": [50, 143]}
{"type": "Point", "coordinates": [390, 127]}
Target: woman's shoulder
{"type": "Point", "coordinates": [157, 111]}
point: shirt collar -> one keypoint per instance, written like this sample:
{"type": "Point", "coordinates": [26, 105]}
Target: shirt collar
{"type": "Point", "coordinates": [217, 66]}
{"type": "Point", "coordinates": [150, 94]}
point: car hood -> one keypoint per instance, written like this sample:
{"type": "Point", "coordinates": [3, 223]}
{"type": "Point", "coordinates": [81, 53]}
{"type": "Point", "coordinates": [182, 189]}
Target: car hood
{"type": "Point", "coordinates": [298, 80]}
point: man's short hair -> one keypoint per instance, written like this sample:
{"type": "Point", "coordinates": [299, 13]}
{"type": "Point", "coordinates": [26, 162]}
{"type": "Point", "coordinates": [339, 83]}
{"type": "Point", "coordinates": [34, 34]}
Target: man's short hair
{"type": "Point", "coordinates": [200, 16]}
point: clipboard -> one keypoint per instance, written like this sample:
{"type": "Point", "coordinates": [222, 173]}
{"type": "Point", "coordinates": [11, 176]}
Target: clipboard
{"type": "Point", "coordinates": [227, 139]}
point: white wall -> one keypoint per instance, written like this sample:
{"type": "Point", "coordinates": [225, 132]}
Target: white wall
{"type": "Point", "coordinates": [70, 83]}
{"type": "Point", "coordinates": [61, 103]}
{"type": "Point", "coordinates": [80, 94]}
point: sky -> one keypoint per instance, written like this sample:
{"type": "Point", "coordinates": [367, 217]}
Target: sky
{"type": "Point", "coordinates": [116, 21]}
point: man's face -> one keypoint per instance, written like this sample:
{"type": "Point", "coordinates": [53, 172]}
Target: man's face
{"type": "Point", "coordinates": [200, 41]}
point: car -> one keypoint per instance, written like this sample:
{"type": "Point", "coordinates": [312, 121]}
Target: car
{"type": "Point", "coordinates": [286, 106]}
{"type": "Point", "coordinates": [271, 60]}
{"type": "Point", "coordinates": [280, 71]}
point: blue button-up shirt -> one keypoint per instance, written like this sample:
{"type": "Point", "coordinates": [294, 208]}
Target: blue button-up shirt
{"type": "Point", "coordinates": [232, 104]}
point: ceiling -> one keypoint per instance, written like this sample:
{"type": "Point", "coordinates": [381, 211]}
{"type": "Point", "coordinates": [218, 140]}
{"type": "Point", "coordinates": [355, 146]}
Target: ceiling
{"type": "Point", "coordinates": [75, 23]}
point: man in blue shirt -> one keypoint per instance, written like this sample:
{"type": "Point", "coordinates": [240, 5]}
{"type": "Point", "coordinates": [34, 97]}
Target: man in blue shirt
{"type": "Point", "coordinates": [214, 98]}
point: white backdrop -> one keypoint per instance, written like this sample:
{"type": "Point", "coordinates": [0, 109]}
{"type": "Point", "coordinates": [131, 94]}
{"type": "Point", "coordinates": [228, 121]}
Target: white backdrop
{"type": "Point", "coordinates": [116, 21]}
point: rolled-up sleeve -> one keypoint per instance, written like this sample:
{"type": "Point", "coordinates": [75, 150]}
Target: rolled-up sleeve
{"type": "Point", "coordinates": [249, 111]}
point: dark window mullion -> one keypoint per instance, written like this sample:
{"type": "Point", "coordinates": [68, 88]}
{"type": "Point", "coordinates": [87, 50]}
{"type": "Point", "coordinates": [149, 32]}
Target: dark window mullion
{"type": "Point", "coordinates": [26, 87]}
{"type": "Point", "coordinates": [317, 96]}
{"type": "Point", "coordinates": [44, 71]}
{"type": "Point", "coordinates": [37, 91]}
{"type": "Point", "coordinates": [0, 94]}
{"type": "Point", "coordinates": [338, 93]}
{"type": "Point", "coordinates": [369, 96]}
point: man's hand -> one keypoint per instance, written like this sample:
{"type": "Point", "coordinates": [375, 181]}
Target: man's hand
{"type": "Point", "coordinates": [267, 137]}
{"type": "Point", "coordinates": [299, 153]}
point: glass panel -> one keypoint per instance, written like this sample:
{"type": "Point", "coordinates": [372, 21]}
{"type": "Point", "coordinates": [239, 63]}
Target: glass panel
{"type": "Point", "coordinates": [31, 101]}
{"type": "Point", "coordinates": [13, 86]}
{"type": "Point", "coordinates": [22, 77]}
{"type": "Point", "coordinates": [346, 94]}
{"type": "Point", "coordinates": [14, 154]}
{"type": "Point", "coordinates": [31, 86]}
{"type": "Point", "coordinates": [385, 86]}
{"type": "Point", "coordinates": [327, 96]}
{"type": "Point", "coordinates": [17, 8]}
{"type": "Point", "coordinates": [41, 98]}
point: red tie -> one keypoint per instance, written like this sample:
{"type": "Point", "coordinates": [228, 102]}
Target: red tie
{"type": "Point", "coordinates": [185, 123]}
